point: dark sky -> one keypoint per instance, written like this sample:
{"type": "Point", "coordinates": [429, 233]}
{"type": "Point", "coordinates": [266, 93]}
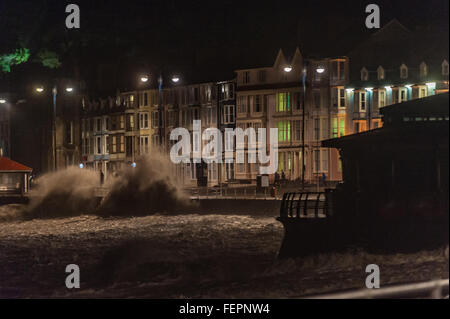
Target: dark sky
{"type": "Point", "coordinates": [119, 39]}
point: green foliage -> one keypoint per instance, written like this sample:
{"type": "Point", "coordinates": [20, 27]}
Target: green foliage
{"type": "Point", "coordinates": [49, 59]}
{"type": "Point", "coordinates": [18, 57]}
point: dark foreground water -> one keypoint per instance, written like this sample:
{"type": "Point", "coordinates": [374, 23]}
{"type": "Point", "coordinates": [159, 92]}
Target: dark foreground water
{"type": "Point", "coordinates": [187, 256]}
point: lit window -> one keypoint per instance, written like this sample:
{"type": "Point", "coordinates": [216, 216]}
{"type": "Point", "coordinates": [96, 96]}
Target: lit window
{"type": "Point", "coordinates": [403, 71]}
{"type": "Point", "coordinates": [445, 68]}
{"type": "Point", "coordinates": [423, 69]}
{"type": "Point", "coordinates": [380, 72]}
{"type": "Point", "coordinates": [284, 131]}
{"type": "Point", "coordinates": [381, 98]}
{"type": "Point", "coordinates": [364, 74]}
{"type": "Point", "coordinates": [283, 102]}
{"type": "Point", "coordinates": [362, 101]}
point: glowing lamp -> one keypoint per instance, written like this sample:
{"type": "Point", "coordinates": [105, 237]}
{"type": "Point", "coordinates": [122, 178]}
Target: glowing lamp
{"type": "Point", "coordinates": [320, 70]}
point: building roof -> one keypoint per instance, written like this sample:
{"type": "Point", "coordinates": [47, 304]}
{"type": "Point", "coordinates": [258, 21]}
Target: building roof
{"type": "Point", "coordinates": [397, 130]}
{"type": "Point", "coordinates": [8, 165]}
{"type": "Point", "coordinates": [432, 105]}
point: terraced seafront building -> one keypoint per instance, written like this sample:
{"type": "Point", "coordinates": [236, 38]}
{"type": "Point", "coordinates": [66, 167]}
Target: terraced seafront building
{"type": "Point", "coordinates": [341, 95]}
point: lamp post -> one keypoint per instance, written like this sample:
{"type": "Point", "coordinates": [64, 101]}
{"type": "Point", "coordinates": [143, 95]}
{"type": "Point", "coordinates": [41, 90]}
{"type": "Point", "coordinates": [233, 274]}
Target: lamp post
{"type": "Point", "coordinates": [319, 70]}
{"type": "Point", "coordinates": [39, 90]}
{"type": "Point", "coordinates": [175, 79]}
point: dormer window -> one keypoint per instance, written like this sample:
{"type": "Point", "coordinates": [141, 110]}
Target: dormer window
{"type": "Point", "coordinates": [380, 72]}
{"type": "Point", "coordinates": [445, 68]}
{"type": "Point", "coordinates": [423, 70]}
{"type": "Point", "coordinates": [246, 77]}
{"type": "Point", "coordinates": [364, 74]}
{"type": "Point", "coordinates": [403, 71]}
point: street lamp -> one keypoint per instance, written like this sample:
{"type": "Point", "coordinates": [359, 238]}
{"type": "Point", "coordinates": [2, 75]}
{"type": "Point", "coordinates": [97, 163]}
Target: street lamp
{"type": "Point", "coordinates": [2, 101]}
{"type": "Point", "coordinates": [39, 90]}
{"type": "Point", "coordinates": [319, 70]}
{"type": "Point", "coordinates": [175, 79]}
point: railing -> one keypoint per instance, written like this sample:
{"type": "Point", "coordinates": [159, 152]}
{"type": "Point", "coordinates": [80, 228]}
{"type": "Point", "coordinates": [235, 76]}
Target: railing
{"type": "Point", "coordinates": [232, 193]}
{"type": "Point", "coordinates": [436, 289]}
{"type": "Point", "coordinates": [305, 205]}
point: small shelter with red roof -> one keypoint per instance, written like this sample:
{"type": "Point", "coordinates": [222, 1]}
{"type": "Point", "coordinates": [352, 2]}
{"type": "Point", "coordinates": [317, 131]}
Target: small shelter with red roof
{"type": "Point", "coordinates": [14, 177]}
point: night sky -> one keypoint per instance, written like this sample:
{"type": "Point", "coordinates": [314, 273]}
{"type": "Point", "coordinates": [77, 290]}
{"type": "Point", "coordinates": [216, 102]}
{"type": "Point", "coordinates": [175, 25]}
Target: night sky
{"type": "Point", "coordinates": [203, 40]}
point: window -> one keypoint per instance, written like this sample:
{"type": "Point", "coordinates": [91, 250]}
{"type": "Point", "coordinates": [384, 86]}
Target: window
{"type": "Point", "coordinates": [324, 160]}
{"type": "Point", "coordinates": [99, 125]}
{"type": "Point", "coordinates": [341, 98]}
{"type": "Point", "coordinates": [362, 101]}
{"type": "Point", "coordinates": [212, 171]}
{"type": "Point", "coordinates": [423, 70]}
{"type": "Point", "coordinates": [423, 92]}
{"type": "Point", "coordinates": [155, 140]}
{"type": "Point", "coordinates": [284, 102]}
{"type": "Point", "coordinates": [130, 122]}
{"type": "Point", "coordinates": [242, 104]}
{"type": "Point", "coordinates": [262, 76]}
{"type": "Point", "coordinates": [107, 125]}
{"type": "Point", "coordinates": [228, 114]}
{"type": "Point", "coordinates": [445, 68]}
{"type": "Point", "coordinates": [107, 141]}
{"type": "Point", "coordinates": [284, 131]}
{"type": "Point", "coordinates": [99, 145]}
{"type": "Point", "coordinates": [341, 126]}
{"type": "Point", "coordinates": [298, 130]}
{"type": "Point", "coordinates": [380, 72]}
{"type": "Point", "coordinates": [122, 143]}
{"type": "Point", "coordinates": [143, 120]}
{"type": "Point", "coordinates": [364, 74]}
{"type": "Point", "coordinates": [246, 77]}
{"type": "Point", "coordinates": [316, 129]}
{"type": "Point", "coordinates": [145, 99]}
{"type": "Point", "coordinates": [324, 127]}
{"type": "Point", "coordinates": [316, 161]}
{"type": "Point", "coordinates": [155, 119]}
{"type": "Point", "coordinates": [122, 122]}
{"type": "Point", "coordinates": [69, 132]}
{"type": "Point", "coordinates": [338, 70]}
{"type": "Point", "coordinates": [334, 128]}
{"type": "Point", "coordinates": [297, 99]}
{"type": "Point", "coordinates": [402, 95]}
{"type": "Point", "coordinates": [230, 171]}
{"type": "Point", "coordinates": [257, 105]}
{"type": "Point", "coordinates": [114, 144]}
{"type": "Point", "coordinates": [143, 145]}
{"type": "Point", "coordinates": [403, 71]}
{"type": "Point", "coordinates": [317, 99]}
{"type": "Point", "coordinates": [381, 98]}
{"type": "Point", "coordinates": [281, 161]}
